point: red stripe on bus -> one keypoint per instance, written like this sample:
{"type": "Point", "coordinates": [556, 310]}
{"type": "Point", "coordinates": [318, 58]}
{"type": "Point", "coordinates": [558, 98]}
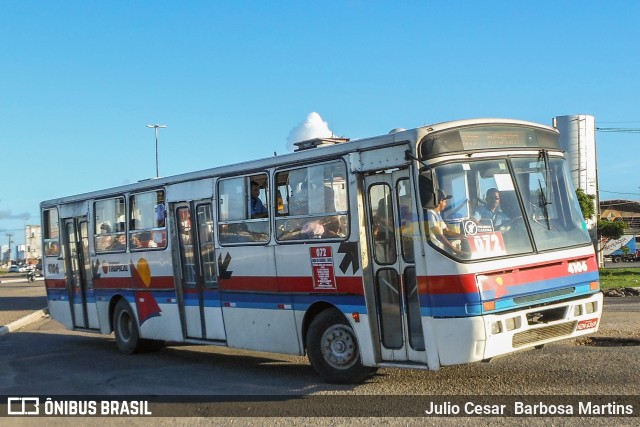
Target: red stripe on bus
{"type": "Point", "coordinates": [345, 284]}
{"type": "Point", "coordinates": [299, 284]}
{"type": "Point", "coordinates": [157, 282]}
{"type": "Point", "coordinates": [55, 283]}
{"type": "Point", "coordinates": [521, 275]}
{"type": "Point", "coordinates": [447, 284]}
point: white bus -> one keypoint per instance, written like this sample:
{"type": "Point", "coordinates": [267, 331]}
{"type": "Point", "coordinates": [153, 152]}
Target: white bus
{"type": "Point", "coordinates": [385, 251]}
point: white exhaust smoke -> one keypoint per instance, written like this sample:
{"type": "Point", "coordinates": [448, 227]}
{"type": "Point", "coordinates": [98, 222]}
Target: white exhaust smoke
{"type": "Point", "coordinates": [312, 127]}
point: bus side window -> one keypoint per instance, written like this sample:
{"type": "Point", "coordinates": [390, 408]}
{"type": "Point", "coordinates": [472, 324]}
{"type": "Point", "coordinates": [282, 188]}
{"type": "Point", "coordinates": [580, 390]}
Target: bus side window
{"type": "Point", "coordinates": [109, 233]}
{"type": "Point", "coordinates": [317, 207]}
{"type": "Point", "coordinates": [51, 232]}
{"type": "Point", "coordinates": [243, 209]}
{"type": "Point", "coordinates": [147, 228]}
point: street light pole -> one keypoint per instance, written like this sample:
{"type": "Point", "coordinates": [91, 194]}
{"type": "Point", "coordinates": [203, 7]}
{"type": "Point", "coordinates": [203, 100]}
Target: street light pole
{"type": "Point", "coordinates": [156, 127]}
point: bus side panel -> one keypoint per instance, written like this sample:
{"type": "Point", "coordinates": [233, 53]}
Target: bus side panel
{"type": "Point", "coordinates": [57, 294]}
{"type": "Point", "coordinates": [328, 273]}
{"type": "Point", "coordinates": [58, 300]}
{"type": "Point", "coordinates": [155, 295]}
{"type": "Point", "coordinates": [256, 316]}
{"type": "Point", "coordinates": [145, 279]}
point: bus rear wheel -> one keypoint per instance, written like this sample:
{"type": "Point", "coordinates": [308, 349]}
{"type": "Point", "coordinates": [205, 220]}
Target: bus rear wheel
{"type": "Point", "coordinates": [125, 328]}
{"type": "Point", "coordinates": [333, 350]}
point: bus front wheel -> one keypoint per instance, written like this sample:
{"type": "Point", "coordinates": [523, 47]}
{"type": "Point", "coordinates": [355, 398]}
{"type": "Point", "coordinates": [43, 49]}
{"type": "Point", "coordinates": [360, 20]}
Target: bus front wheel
{"type": "Point", "coordinates": [333, 350]}
{"type": "Point", "coordinates": [125, 328]}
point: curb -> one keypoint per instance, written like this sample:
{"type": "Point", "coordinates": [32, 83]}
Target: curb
{"type": "Point", "coordinates": [21, 279]}
{"type": "Point", "coordinates": [30, 318]}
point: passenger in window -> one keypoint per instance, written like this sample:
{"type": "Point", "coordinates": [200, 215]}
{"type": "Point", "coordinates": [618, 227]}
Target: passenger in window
{"type": "Point", "coordinates": [438, 229]}
{"type": "Point", "coordinates": [161, 213]}
{"type": "Point", "coordinates": [143, 240]}
{"type": "Point", "coordinates": [312, 230]}
{"type": "Point", "coordinates": [52, 249]}
{"type": "Point", "coordinates": [105, 228]}
{"type": "Point", "coordinates": [383, 220]}
{"type": "Point", "coordinates": [119, 243]}
{"type": "Point", "coordinates": [299, 201]}
{"type": "Point", "coordinates": [257, 207]}
{"type": "Point", "coordinates": [331, 227]}
{"type": "Point", "coordinates": [491, 209]}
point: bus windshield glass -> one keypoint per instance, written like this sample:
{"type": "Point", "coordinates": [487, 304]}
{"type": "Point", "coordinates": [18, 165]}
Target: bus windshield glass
{"type": "Point", "coordinates": [503, 207]}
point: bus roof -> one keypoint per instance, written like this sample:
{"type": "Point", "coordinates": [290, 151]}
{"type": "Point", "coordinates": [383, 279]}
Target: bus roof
{"type": "Point", "coordinates": [364, 144]}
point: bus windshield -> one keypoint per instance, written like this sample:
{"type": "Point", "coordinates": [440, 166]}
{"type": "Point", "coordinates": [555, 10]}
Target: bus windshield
{"type": "Point", "coordinates": [504, 207]}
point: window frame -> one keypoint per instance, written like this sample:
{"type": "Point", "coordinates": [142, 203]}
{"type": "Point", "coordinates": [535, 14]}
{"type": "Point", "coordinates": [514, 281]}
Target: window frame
{"type": "Point", "coordinates": [282, 219]}
{"type": "Point", "coordinates": [98, 236]}
{"type": "Point", "coordinates": [134, 232]}
{"type": "Point", "coordinates": [244, 230]}
{"type": "Point", "coordinates": [49, 240]}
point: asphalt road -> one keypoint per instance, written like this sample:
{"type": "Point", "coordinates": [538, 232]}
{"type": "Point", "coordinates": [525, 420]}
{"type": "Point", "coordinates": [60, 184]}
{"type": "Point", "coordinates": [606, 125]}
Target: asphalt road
{"type": "Point", "coordinates": [635, 264]}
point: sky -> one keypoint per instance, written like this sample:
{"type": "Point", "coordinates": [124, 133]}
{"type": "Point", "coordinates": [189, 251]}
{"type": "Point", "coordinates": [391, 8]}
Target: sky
{"type": "Point", "coordinates": [236, 80]}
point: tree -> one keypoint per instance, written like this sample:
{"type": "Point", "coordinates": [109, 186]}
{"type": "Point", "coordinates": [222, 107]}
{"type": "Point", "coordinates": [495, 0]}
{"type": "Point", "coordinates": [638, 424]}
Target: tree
{"type": "Point", "coordinates": [606, 230]}
{"type": "Point", "coordinates": [610, 229]}
{"type": "Point", "coordinates": [587, 203]}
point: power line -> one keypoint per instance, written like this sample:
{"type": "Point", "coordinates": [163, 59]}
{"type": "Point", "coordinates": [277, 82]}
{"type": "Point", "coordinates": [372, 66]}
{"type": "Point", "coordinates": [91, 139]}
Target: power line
{"type": "Point", "coordinates": [618, 130]}
{"type": "Point", "coordinates": [617, 192]}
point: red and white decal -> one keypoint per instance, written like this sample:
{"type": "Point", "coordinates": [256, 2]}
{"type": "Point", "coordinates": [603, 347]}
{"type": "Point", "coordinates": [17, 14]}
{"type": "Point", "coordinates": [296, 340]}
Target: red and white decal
{"type": "Point", "coordinates": [587, 324]}
{"type": "Point", "coordinates": [322, 267]}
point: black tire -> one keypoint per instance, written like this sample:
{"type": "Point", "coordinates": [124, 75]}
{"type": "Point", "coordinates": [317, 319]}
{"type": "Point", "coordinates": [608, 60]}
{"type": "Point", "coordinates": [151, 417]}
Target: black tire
{"type": "Point", "coordinates": [125, 328]}
{"type": "Point", "coordinates": [333, 349]}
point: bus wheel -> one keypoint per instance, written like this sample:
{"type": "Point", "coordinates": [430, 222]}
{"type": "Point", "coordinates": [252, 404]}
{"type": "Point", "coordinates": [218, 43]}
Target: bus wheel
{"type": "Point", "coordinates": [125, 328]}
{"type": "Point", "coordinates": [333, 349]}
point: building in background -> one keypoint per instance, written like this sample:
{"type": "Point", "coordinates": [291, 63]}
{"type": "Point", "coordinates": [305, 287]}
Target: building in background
{"type": "Point", "coordinates": [627, 211]}
{"type": "Point", "coordinates": [33, 243]}
{"type": "Point", "coordinates": [578, 139]}
{"type": "Point", "coordinates": [6, 254]}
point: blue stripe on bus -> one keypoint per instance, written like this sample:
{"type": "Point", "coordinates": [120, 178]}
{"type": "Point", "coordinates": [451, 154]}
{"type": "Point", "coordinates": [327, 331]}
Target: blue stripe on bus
{"type": "Point", "coordinates": [347, 303]}
{"type": "Point", "coordinates": [470, 304]}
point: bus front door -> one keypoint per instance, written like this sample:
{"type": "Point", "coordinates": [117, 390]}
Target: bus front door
{"type": "Point", "coordinates": [78, 274]}
{"type": "Point", "coordinates": [200, 297]}
{"type": "Point", "coordinates": [392, 218]}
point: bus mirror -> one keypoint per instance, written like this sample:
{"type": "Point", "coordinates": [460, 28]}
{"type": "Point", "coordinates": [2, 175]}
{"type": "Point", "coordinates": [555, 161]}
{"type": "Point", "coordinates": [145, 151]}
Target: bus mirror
{"type": "Point", "coordinates": [427, 190]}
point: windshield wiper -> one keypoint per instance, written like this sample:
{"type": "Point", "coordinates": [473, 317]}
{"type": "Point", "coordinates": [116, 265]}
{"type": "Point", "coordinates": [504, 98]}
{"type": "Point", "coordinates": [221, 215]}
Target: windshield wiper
{"type": "Point", "coordinates": [543, 192]}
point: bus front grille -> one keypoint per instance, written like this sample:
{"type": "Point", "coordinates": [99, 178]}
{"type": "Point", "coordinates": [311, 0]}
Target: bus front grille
{"type": "Point", "coordinates": [540, 334]}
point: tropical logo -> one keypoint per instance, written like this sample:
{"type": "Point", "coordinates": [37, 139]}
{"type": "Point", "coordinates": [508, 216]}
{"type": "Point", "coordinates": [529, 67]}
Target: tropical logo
{"type": "Point", "coordinates": [145, 301]}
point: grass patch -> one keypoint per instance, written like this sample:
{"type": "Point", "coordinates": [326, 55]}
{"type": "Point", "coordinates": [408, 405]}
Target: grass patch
{"type": "Point", "coordinates": [619, 278]}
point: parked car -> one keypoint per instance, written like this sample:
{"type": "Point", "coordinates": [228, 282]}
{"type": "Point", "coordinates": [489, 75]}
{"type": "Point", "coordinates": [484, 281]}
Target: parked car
{"type": "Point", "coordinates": [14, 269]}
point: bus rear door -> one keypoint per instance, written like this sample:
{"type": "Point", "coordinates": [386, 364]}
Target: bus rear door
{"type": "Point", "coordinates": [391, 214]}
{"type": "Point", "coordinates": [200, 297]}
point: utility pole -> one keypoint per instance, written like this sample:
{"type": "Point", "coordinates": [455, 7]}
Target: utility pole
{"type": "Point", "coordinates": [156, 127]}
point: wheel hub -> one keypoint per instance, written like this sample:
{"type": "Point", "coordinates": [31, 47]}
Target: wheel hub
{"type": "Point", "coordinates": [339, 347]}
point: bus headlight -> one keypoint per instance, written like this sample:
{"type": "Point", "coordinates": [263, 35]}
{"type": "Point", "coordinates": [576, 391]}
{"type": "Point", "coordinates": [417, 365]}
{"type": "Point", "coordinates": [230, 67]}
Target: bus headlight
{"type": "Point", "coordinates": [513, 323]}
{"type": "Point", "coordinates": [496, 328]}
{"type": "Point", "coordinates": [577, 310]}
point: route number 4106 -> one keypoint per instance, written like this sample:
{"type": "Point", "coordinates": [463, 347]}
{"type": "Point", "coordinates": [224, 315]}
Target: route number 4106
{"type": "Point", "coordinates": [578, 267]}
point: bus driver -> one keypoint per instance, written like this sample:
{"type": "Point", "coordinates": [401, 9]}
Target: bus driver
{"type": "Point", "coordinates": [438, 229]}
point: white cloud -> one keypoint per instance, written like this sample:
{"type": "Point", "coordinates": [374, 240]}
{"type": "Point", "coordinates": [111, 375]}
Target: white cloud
{"type": "Point", "coordinates": [312, 127]}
